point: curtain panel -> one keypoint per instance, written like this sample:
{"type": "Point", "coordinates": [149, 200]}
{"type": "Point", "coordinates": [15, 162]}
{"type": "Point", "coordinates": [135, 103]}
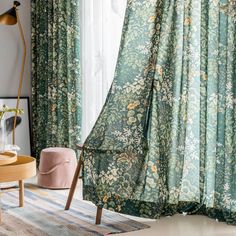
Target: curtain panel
{"type": "Point", "coordinates": [165, 139]}
{"type": "Point", "coordinates": [101, 27]}
{"type": "Point", "coordinates": [56, 77]}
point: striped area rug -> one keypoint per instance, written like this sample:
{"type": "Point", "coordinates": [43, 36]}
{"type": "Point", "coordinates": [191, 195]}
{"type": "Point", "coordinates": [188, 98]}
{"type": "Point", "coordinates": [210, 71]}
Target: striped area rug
{"type": "Point", "coordinates": [43, 215]}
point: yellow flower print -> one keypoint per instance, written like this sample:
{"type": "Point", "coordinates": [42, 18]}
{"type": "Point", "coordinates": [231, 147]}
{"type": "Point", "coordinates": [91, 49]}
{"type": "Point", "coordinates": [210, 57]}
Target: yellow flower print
{"type": "Point", "coordinates": [152, 19]}
{"type": "Point", "coordinates": [204, 75]}
{"type": "Point", "coordinates": [105, 198]}
{"type": "Point", "coordinates": [54, 107]}
{"type": "Point", "coordinates": [187, 21]}
{"type": "Point", "coordinates": [154, 169]}
{"type": "Point", "coordinates": [133, 105]}
{"type": "Point", "coordinates": [159, 70]}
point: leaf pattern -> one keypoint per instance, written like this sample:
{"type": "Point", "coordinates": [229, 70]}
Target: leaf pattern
{"type": "Point", "coordinates": [165, 139]}
{"type": "Point", "coordinates": [56, 79]}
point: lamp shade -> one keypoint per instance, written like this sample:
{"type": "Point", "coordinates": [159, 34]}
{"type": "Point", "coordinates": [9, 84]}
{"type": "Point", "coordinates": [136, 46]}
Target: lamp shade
{"type": "Point", "coordinates": [9, 17]}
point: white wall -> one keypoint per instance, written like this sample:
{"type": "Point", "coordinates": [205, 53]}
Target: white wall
{"type": "Point", "coordinates": [11, 50]}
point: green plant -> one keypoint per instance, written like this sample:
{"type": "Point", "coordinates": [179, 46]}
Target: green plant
{"type": "Point", "coordinates": [5, 109]}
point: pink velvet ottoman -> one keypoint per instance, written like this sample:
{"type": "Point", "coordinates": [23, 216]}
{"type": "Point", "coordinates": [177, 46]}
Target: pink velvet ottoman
{"type": "Point", "coordinates": [57, 167]}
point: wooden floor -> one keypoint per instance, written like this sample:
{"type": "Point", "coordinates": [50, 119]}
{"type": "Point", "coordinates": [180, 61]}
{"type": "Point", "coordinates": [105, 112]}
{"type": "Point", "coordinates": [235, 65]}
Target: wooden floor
{"type": "Point", "coordinates": [178, 225]}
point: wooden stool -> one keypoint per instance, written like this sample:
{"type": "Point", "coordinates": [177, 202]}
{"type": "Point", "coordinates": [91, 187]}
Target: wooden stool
{"type": "Point", "coordinates": [73, 187]}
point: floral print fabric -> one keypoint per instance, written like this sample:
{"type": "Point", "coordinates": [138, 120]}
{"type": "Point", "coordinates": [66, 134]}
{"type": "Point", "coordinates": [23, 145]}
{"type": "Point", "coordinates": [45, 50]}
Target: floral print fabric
{"type": "Point", "coordinates": [165, 139]}
{"type": "Point", "coordinates": [56, 88]}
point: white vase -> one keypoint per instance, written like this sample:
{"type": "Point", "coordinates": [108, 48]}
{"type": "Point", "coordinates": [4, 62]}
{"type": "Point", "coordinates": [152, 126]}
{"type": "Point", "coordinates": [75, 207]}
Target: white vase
{"type": "Point", "coordinates": [3, 137]}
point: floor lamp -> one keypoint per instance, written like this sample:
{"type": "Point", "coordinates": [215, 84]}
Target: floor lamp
{"type": "Point", "coordinates": [11, 17]}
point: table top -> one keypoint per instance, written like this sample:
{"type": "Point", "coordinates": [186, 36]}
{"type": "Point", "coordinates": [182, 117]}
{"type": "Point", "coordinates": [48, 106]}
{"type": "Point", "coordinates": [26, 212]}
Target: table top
{"type": "Point", "coordinates": [23, 168]}
{"type": "Point", "coordinates": [7, 158]}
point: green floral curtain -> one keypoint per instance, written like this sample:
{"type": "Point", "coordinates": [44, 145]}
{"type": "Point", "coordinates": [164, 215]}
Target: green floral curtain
{"type": "Point", "coordinates": [165, 141]}
{"type": "Point", "coordinates": [56, 89]}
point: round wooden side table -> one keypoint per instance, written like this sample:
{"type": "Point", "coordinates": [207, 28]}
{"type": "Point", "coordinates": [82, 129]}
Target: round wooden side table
{"type": "Point", "coordinates": [23, 168]}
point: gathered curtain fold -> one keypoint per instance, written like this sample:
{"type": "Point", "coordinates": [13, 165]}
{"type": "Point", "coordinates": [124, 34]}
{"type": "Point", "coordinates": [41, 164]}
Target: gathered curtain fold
{"type": "Point", "coordinates": [56, 79]}
{"type": "Point", "coordinates": [165, 141]}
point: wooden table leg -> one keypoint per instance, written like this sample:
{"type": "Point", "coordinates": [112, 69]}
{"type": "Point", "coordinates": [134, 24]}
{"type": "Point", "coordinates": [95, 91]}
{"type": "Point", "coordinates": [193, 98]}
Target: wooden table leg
{"type": "Point", "coordinates": [0, 207]}
{"type": "Point", "coordinates": [98, 216]}
{"type": "Point", "coordinates": [21, 193]}
{"type": "Point", "coordinates": [73, 185]}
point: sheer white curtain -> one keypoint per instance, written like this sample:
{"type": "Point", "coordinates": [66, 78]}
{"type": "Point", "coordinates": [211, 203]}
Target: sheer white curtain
{"type": "Point", "coordinates": [102, 22]}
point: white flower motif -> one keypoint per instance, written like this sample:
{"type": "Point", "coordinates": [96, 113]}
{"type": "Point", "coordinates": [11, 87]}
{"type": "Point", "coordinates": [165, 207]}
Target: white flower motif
{"type": "Point", "coordinates": [229, 101]}
{"type": "Point", "coordinates": [226, 187]}
{"type": "Point", "coordinates": [229, 85]}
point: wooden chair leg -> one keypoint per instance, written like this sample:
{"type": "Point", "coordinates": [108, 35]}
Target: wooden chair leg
{"type": "Point", "coordinates": [73, 185]}
{"type": "Point", "coordinates": [21, 193]}
{"type": "Point", "coordinates": [98, 216]}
